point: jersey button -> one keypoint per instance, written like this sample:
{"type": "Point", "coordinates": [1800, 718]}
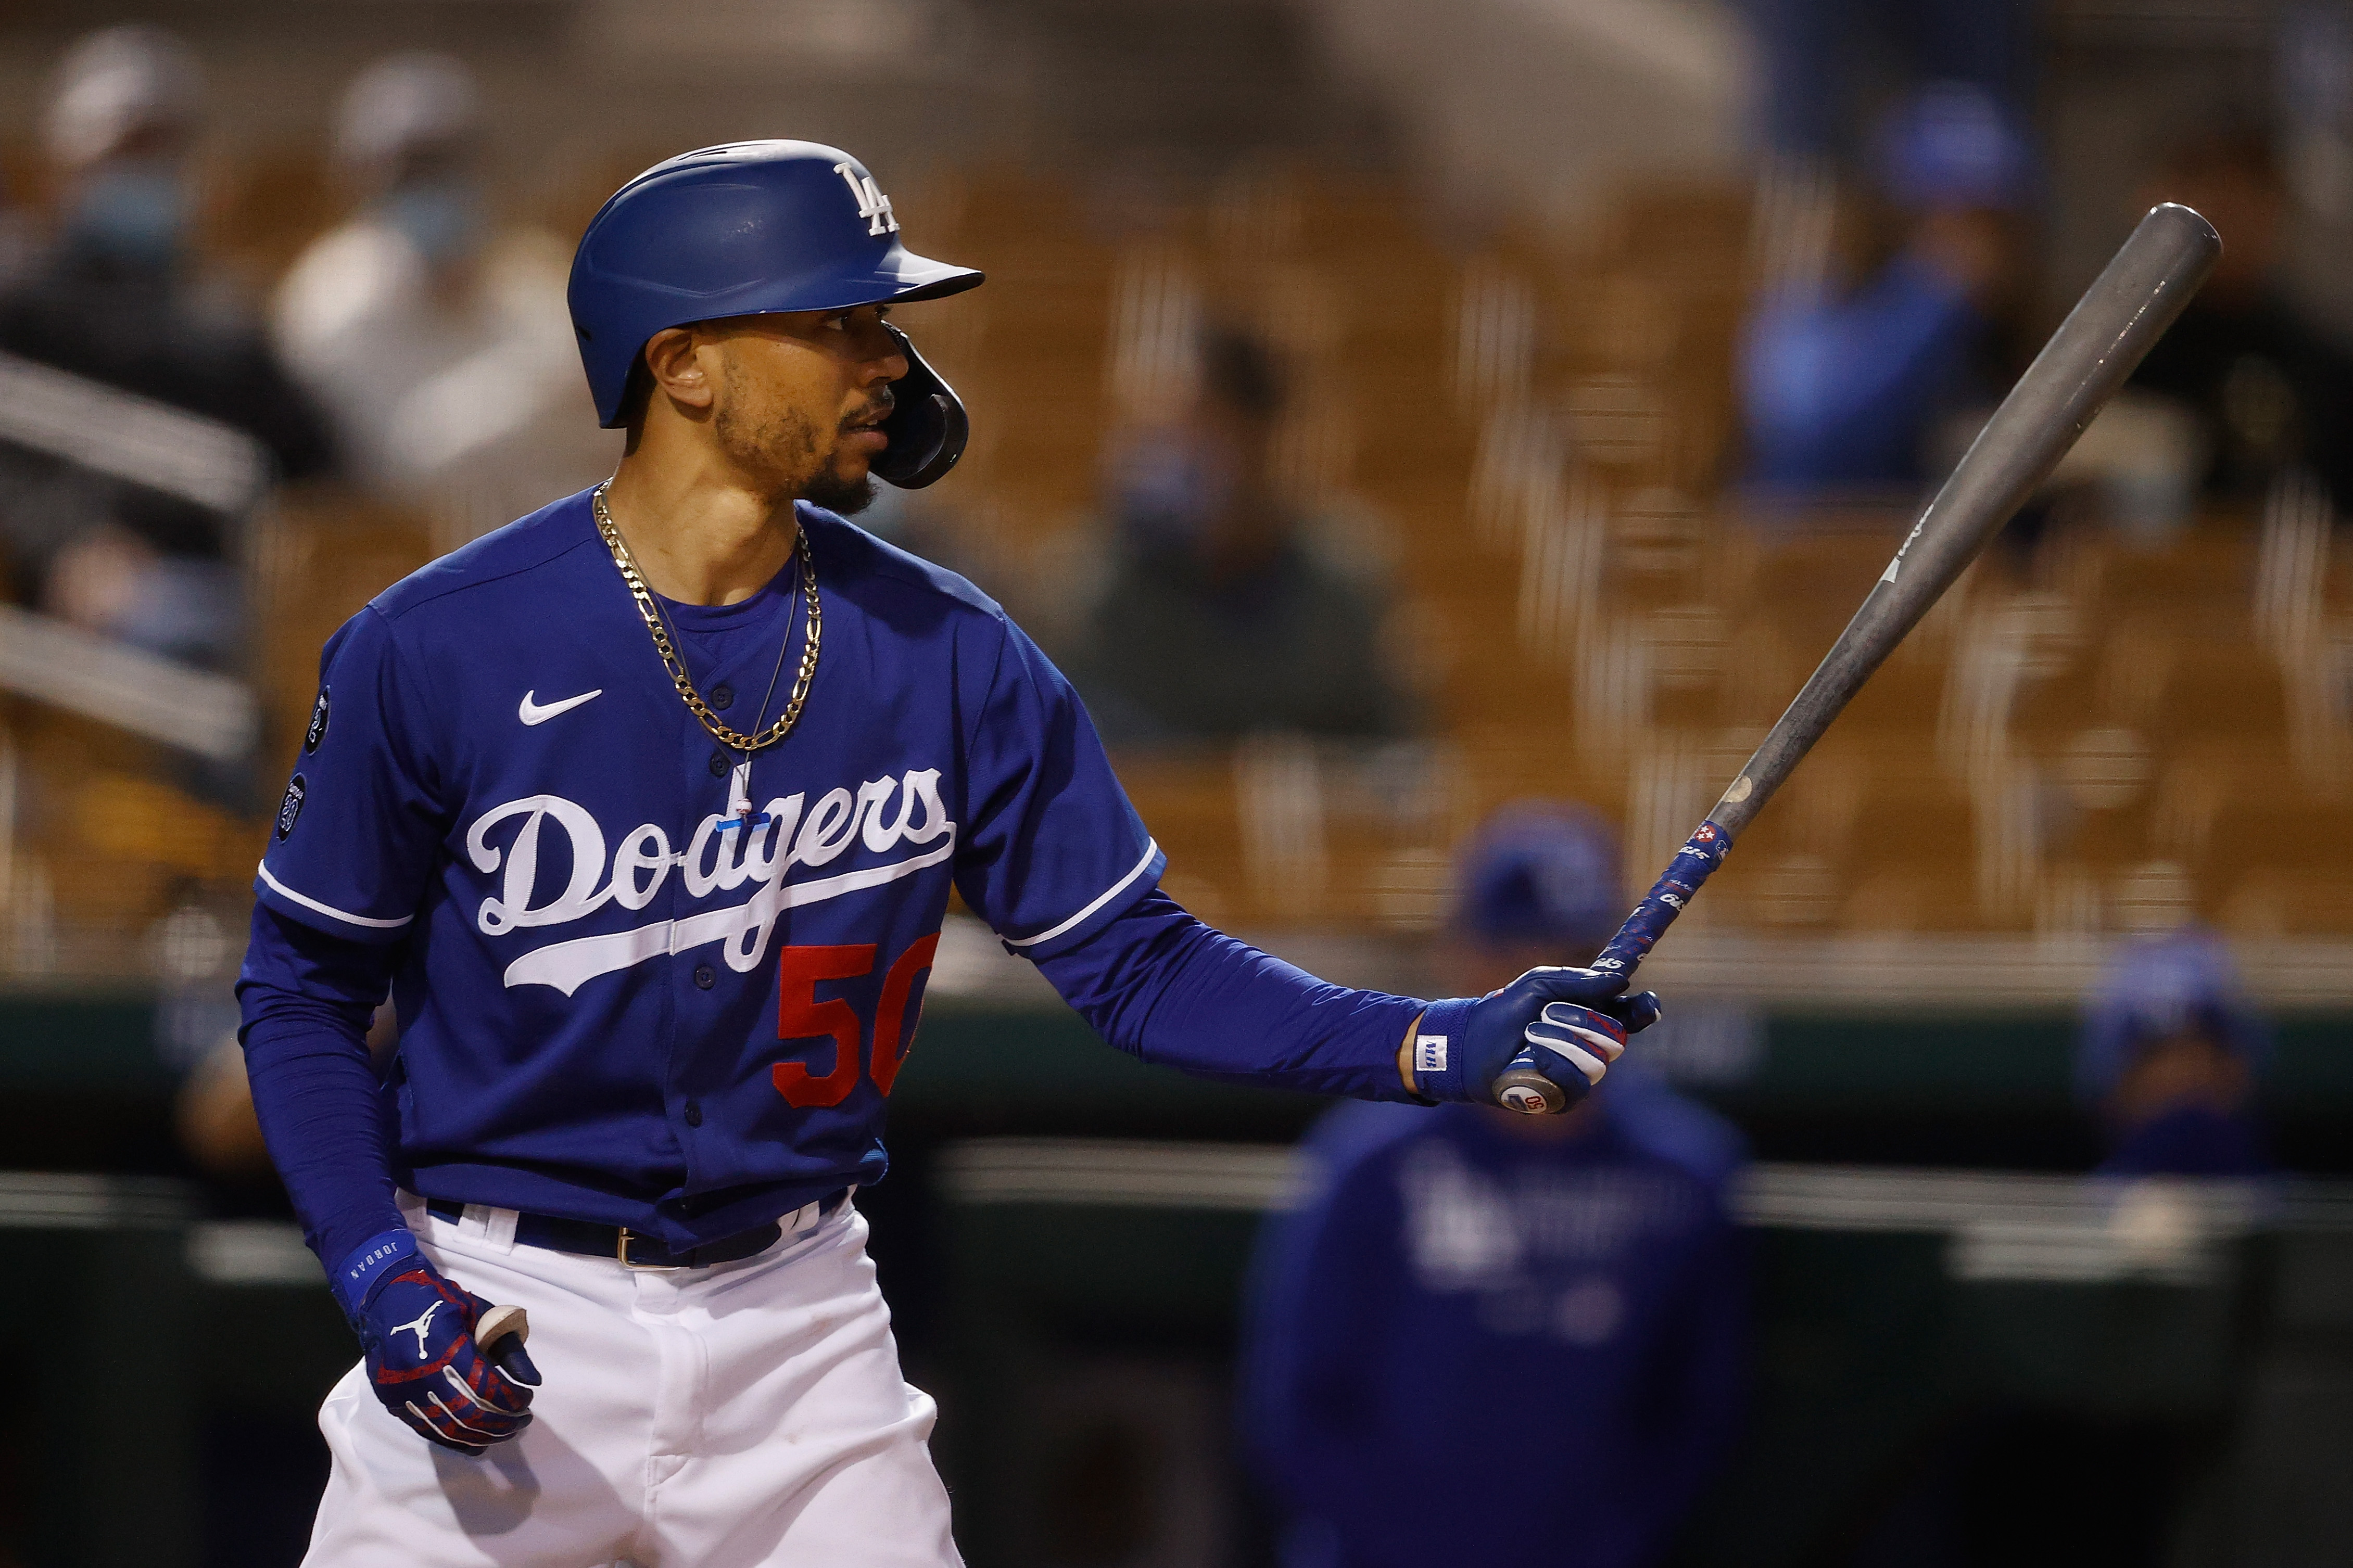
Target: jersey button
{"type": "Point", "coordinates": [723, 698]}
{"type": "Point", "coordinates": [705, 976]}
{"type": "Point", "coordinates": [720, 763]}
{"type": "Point", "coordinates": [694, 1114]}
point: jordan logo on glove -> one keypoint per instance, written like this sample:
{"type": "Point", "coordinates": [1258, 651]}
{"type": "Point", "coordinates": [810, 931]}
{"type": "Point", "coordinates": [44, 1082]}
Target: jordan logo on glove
{"type": "Point", "coordinates": [426, 1365]}
{"type": "Point", "coordinates": [417, 1327]}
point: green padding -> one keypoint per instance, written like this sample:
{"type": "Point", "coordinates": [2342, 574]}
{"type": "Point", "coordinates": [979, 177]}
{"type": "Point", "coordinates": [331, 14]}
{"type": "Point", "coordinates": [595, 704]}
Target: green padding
{"type": "Point", "coordinates": [107, 1352]}
{"type": "Point", "coordinates": [1997, 1060]}
{"type": "Point", "coordinates": [80, 1041]}
{"type": "Point", "coordinates": [1950, 1061]}
{"type": "Point", "coordinates": [971, 1058]}
{"type": "Point", "coordinates": [1945, 1061]}
{"type": "Point", "coordinates": [1046, 1062]}
{"type": "Point", "coordinates": [2315, 1062]}
{"type": "Point", "coordinates": [1176, 1269]}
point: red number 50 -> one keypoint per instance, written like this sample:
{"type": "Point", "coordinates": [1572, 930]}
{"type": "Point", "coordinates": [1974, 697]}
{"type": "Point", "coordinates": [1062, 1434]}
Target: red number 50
{"type": "Point", "coordinates": [801, 1015]}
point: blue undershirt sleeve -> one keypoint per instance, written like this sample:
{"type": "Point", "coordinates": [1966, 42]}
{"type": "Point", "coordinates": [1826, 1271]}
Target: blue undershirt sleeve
{"type": "Point", "coordinates": [307, 999]}
{"type": "Point", "coordinates": [1165, 988]}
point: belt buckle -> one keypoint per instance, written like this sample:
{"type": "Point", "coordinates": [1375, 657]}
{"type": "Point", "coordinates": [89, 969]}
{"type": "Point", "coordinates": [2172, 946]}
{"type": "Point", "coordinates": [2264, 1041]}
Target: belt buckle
{"type": "Point", "coordinates": [621, 1252]}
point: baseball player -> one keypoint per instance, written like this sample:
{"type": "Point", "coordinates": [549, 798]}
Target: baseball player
{"type": "Point", "coordinates": [1567, 1289]}
{"type": "Point", "coordinates": [2169, 1056]}
{"type": "Point", "coordinates": [646, 809]}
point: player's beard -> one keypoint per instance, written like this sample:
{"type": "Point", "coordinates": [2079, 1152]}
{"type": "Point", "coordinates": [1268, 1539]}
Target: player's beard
{"type": "Point", "coordinates": [836, 493]}
{"type": "Point", "coordinates": [782, 446]}
{"type": "Point", "coordinates": [839, 495]}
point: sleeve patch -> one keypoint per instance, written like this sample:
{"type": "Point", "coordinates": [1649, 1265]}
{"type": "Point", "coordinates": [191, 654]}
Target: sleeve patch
{"type": "Point", "coordinates": [318, 730]}
{"type": "Point", "coordinates": [289, 809]}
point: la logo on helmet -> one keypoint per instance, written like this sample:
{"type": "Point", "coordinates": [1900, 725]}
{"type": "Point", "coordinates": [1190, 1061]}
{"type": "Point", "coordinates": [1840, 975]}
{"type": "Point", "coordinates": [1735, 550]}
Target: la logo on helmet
{"type": "Point", "coordinates": [872, 204]}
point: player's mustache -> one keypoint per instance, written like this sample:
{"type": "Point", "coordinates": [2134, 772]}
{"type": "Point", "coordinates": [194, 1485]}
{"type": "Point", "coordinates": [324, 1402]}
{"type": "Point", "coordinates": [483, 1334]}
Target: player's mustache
{"type": "Point", "coordinates": [874, 413]}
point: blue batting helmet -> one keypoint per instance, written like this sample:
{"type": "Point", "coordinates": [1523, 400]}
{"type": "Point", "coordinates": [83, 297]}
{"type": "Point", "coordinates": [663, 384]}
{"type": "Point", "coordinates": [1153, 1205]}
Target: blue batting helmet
{"type": "Point", "coordinates": [748, 230]}
{"type": "Point", "coordinates": [1540, 872]}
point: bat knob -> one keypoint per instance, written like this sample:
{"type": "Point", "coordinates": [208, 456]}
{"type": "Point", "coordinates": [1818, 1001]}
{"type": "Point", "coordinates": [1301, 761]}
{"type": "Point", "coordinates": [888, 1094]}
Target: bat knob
{"type": "Point", "coordinates": [1530, 1093]}
{"type": "Point", "coordinates": [497, 1323]}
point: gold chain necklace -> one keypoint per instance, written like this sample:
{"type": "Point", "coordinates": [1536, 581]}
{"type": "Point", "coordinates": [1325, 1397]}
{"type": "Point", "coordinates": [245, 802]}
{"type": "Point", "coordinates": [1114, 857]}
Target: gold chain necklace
{"type": "Point", "coordinates": [695, 705]}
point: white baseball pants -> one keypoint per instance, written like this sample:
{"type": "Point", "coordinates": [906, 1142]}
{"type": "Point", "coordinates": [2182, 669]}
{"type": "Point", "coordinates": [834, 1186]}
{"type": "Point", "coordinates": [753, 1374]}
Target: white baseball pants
{"type": "Point", "coordinates": [750, 1413]}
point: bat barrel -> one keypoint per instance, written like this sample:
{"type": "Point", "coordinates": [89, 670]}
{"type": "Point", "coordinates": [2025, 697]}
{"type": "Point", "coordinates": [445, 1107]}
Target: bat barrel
{"type": "Point", "coordinates": [2136, 298]}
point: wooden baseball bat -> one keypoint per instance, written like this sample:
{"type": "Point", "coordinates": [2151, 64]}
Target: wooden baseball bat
{"type": "Point", "coordinates": [2127, 307]}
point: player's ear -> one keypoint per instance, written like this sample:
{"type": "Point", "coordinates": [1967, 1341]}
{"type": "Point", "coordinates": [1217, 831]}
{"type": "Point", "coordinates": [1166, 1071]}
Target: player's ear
{"type": "Point", "coordinates": [677, 369]}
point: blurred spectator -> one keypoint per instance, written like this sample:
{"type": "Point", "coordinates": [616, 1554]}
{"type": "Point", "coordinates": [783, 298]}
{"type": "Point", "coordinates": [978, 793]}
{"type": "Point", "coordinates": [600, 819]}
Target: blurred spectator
{"type": "Point", "coordinates": [1219, 620]}
{"type": "Point", "coordinates": [1493, 1338]}
{"type": "Point", "coordinates": [1537, 884]}
{"type": "Point", "coordinates": [1846, 377]}
{"type": "Point", "coordinates": [2169, 1054]}
{"type": "Point", "coordinates": [437, 340]}
{"type": "Point", "coordinates": [2268, 390]}
{"type": "Point", "coordinates": [116, 297]}
{"type": "Point", "coordinates": [1822, 58]}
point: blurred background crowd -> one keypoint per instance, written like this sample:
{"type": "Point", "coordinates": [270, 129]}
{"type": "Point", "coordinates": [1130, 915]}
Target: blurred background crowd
{"type": "Point", "coordinates": [1437, 438]}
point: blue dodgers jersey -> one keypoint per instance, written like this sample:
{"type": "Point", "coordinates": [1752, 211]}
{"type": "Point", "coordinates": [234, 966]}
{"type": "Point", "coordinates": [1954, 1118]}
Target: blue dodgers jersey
{"type": "Point", "coordinates": [1451, 1288]}
{"type": "Point", "coordinates": [616, 1005]}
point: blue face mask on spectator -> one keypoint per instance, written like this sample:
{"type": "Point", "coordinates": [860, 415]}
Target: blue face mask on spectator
{"type": "Point", "coordinates": [1169, 488]}
{"type": "Point", "coordinates": [443, 220]}
{"type": "Point", "coordinates": [135, 212]}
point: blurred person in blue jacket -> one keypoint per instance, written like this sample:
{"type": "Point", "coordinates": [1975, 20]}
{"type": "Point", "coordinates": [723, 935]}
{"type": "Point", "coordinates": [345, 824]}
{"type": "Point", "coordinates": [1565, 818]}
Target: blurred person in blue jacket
{"type": "Point", "coordinates": [1846, 376]}
{"type": "Point", "coordinates": [2169, 1055]}
{"type": "Point", "coordinates": [1462, 1282]}
{"type": "Point", "coordinates": [1823, 59]}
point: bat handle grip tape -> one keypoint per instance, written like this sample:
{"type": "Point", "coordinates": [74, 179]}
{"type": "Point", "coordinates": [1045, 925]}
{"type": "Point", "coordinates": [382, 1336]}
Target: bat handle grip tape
{"type": "Point", "coordinates": [1524, 1086]}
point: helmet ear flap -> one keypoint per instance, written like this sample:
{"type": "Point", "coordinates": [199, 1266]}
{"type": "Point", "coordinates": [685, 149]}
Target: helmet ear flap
{"type": "Point", "coordinates": [927, 428]}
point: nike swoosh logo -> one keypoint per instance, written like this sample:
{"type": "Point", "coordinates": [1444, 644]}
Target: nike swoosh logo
{"type": "Point", "coordinates": [531, 712]}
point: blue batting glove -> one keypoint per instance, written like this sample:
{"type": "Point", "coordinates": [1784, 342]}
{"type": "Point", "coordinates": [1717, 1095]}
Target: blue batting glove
{"type": "Point", "coordinates": [416, 1331]}
{"type": "Point", "coordinates": [1578, 1020]}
